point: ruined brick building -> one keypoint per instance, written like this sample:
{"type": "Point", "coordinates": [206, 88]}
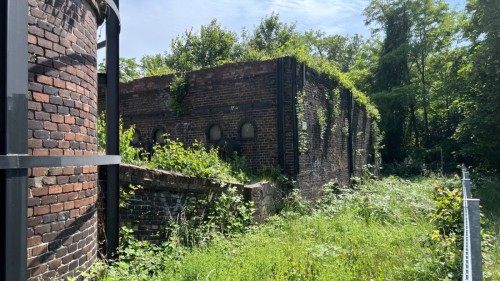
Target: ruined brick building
{"type": "Point", "coordinates": [275, 112]}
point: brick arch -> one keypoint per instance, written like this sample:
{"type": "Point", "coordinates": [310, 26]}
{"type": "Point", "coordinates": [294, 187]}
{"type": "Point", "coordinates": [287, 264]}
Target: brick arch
{"type": "Point", "coordinates": [209, 127]}
{"type": "Point", "coordinates": [244, 121]}
{"type": "Point", "coordinates": [155, 131]}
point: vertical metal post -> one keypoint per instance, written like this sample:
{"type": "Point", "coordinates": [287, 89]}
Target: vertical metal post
{"type": "Point", "coordinates": [350, 139]}
{"type": "Point", "coordinates": [13, 137]}
{"type": "Point", "coordinates": [466, 182]}
{"type": "Point", "coordinates": [475, 239]}
{"type": "Point", "coordinates": [281, 113]}
{"type": "Point", "coordinates": [297, 83]}
{"type": "Point", "coordinates": [112, 129]}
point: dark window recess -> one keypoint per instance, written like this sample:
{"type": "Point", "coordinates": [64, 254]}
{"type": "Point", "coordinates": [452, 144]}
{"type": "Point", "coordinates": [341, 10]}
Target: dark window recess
{"type": "Point", "coordinates": [136, 137]}
{"type": "Point", "coordinates": [214, 133]}
{"type": "Point", "coordinates": [247, 131]}
{"type": "Point", "coordinates": [159, 136]}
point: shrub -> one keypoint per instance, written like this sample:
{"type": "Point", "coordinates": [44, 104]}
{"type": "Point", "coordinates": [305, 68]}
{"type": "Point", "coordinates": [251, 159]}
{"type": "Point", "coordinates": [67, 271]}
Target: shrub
{"type": "Point", "coordinates": [447, 236]}
{"type": "Point", "coordinates": [129, 154]}
{"type": "Point", "coordinates": [195, 160]}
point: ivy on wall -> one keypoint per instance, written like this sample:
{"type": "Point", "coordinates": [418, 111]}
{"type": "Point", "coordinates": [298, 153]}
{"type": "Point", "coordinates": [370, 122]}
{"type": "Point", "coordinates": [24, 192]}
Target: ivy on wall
{"type": "Point", "coordinates": [322, 120]}
{"type": "Point", "coordinates": [178, 88]}
{"type": "Point", "coordinates": [333, 100]}
{"type": "Point", "coordinates": [302, 123]}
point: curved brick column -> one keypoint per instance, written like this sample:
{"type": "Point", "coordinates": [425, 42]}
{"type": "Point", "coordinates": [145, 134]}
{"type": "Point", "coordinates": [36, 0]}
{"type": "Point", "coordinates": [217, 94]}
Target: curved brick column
{"type": "Point", "coordinates": [62, 120]}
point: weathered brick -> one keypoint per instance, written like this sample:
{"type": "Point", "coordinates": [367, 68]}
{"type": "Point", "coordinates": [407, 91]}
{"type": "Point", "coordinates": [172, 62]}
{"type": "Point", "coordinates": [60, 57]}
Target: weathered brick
{"type": "Point", "coordinates": [69, 120]}
{"type": "Point", "coordinates": [55, 189]}
{"type": "Point", "coordinates": [47, 107]}
{"type": "Point", "coordinates": [55, 208]}
{"type": "Point", "coordinates": [42, 116]}
{"type": "Point", "coordinates": [44, 79]}
{"type": "Point", "coordinates": [40, 97]}
{"type": "Point", "coordinates": [41, 210]}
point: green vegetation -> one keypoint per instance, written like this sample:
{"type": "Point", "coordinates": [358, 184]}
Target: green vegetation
{"type": "Point", "coordinates": [392, 229]}
{"type": "Point", "coordinates": [178, 88]}
{"type": "Point", "coordinates": [129, 154]}
{"type": "Point", "coordinates": [194, 160]}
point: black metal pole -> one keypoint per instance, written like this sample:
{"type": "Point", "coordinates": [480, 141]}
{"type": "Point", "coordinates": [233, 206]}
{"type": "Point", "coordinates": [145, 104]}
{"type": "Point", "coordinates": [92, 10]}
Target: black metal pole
{"type": "Point", "coordinates": [280, 118]}
{"type": "Point", "coordinates": [112, 129]}
{"type": "Point", "coordinates": [13, 137]}
{"type": "Point", "coordinates": [350, 139]}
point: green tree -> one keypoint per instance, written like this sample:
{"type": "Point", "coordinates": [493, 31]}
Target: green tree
{"type": "Point", "coordinates": [272, 36]}
{"type": "Point", "coordinates": [392, 75]}
{"type": "Point", "coordinates": [154, 65]}
{"type": "Point", "coordinates": [211, 46]}
{"type": "Point", "coordinates": [417, 37]}
{"type": "Point", "coordinates": [128, 67]}
{"type": "Point", "coordinates": [479, 134]}
{"type": "Point", "coordinates": [432, 32]}
{"type": "Point", "coordinates": [341, 50]}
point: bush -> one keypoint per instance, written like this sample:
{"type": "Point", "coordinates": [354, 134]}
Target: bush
{"type": "Point", "coordinates": [129, 154]}
{"type": "Point", "coordinates": [447, 219]}
{"type": "Point", "coordinates": [195, 160]}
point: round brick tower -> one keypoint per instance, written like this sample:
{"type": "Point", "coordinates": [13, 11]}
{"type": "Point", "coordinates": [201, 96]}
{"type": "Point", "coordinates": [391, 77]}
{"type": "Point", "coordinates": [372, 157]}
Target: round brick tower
{"type": "Point", "coordinates": [62, 120]}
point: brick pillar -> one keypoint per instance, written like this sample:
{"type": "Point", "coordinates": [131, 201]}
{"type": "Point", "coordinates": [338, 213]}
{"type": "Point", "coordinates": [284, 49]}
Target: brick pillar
{"type": "Point", "coordinates": [62, 120]}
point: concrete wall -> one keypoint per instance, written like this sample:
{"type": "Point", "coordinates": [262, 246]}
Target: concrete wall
{"type": "Point", "coordinates": [62, 119]}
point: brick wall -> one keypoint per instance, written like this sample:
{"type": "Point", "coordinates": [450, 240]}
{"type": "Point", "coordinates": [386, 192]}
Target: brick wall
{"type": "Point", "coordinates": [361, 134]}
{"type": "Point", "coordinates": [227, 95]}
{"type": "Point", "coordinates": [324, 155]}
{"type": "Point", "coordinates": [62, 103]}
{"type": "Point", "coordinates": [164, 194]}
{"type": "Point", "coordinates": [265, 92]}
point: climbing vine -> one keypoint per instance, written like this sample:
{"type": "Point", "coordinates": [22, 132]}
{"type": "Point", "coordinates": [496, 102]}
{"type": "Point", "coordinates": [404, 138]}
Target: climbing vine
{"type": "Point", "coordinates": [178, 88]}
{"type": "Point", "coordinates": [334, 103]}
{"type": "Point", "coordinates": [322, 120]}
{"type": "Point", "coordinates": [303, 135]}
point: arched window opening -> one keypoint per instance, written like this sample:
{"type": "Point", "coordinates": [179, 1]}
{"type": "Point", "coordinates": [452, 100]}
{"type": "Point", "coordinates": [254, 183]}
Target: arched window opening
{"type": "Point", "coordinates": [159, 136]}
{"type": "Point", "coordinates": [247, 130]}
{"type": "Point", "coordinates": [214, 133]}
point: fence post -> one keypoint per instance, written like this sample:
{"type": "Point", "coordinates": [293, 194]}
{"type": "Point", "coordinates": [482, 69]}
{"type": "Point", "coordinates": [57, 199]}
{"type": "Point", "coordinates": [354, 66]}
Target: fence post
{"type": "Point", "coordinates": [472, 258]}
{"type": "Point", "coordinates": [475, 239]}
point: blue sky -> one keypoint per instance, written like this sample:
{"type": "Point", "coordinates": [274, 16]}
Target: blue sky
{"type": "Point", "coordinates": [149, 27]}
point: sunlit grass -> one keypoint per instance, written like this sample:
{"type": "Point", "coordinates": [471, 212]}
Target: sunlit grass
{"type": "Point", "coordinates": [381, 231]}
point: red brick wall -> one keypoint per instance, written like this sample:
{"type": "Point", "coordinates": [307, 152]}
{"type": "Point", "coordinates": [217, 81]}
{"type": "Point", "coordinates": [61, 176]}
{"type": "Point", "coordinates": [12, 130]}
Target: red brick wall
{"type": "Point", "coordinates": [62, 103]}
{"type": "Point", "coordinates": [322, 159]}
{"type": "Point", "coordinates": [226, 95]}
{"type": "Point", "coordinates": [361, 133]}
{"type": "Point", "coordinates": [164, 195]}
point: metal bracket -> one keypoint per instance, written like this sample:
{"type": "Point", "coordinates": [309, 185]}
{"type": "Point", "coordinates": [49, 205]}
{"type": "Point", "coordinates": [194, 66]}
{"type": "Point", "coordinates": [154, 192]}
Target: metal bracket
{"type": "Point", "coordinates": [113, 7]}
{"type": "Point", "coordinates": [19, 161]}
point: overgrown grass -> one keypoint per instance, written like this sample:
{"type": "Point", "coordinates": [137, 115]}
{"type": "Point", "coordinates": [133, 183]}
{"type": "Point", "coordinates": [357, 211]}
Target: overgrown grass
{"type": "Point", "coordinates": [383, 230]}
